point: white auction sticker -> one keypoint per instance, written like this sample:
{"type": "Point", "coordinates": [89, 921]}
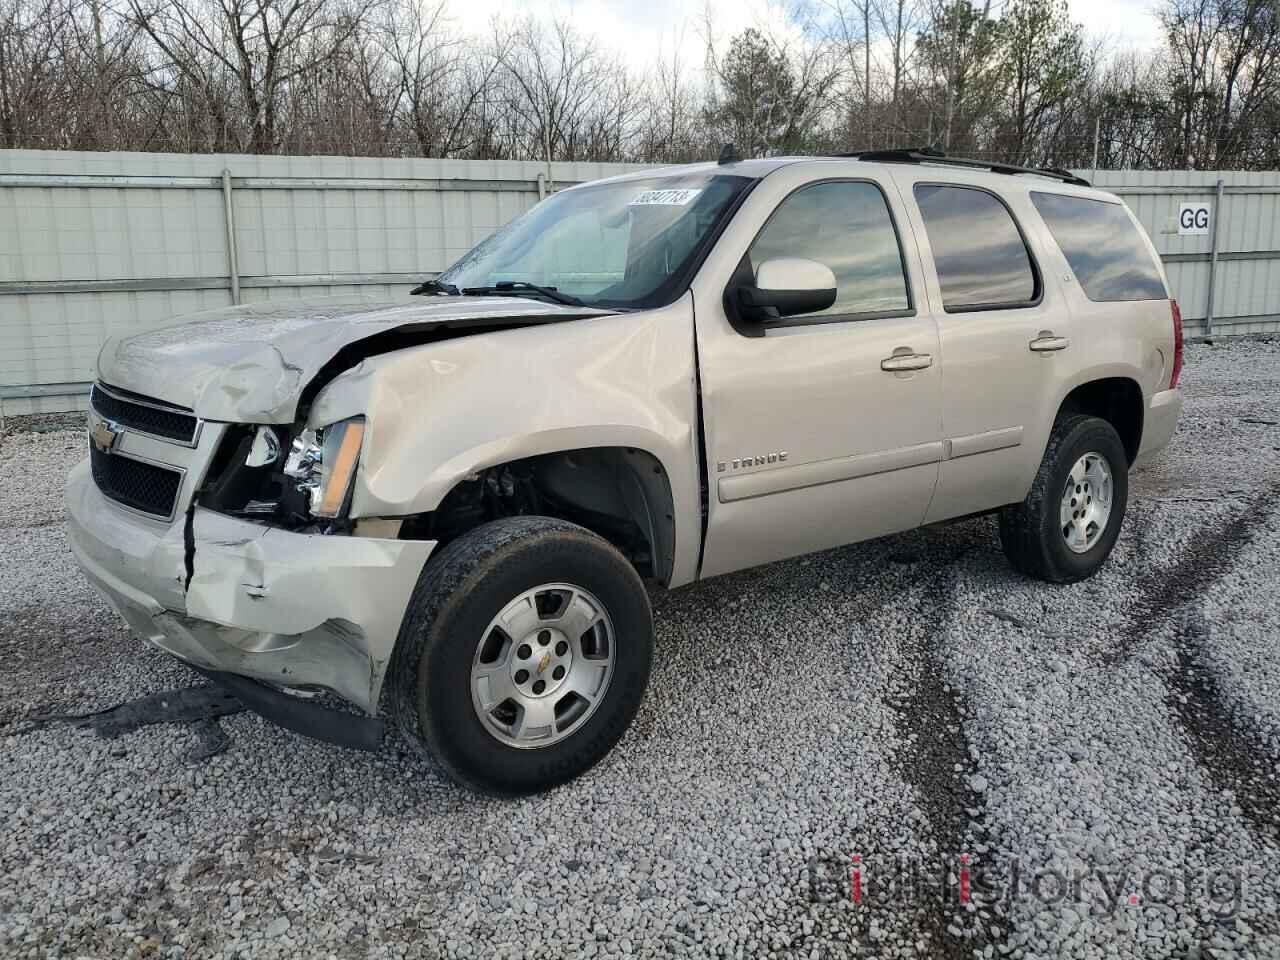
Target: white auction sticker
{"type": "Point", "coordinates": [667, 198]}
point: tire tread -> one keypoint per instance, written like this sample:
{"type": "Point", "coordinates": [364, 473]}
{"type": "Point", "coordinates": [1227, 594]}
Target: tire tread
{"type": "Point", "coordinates": [1022, 525]}
{"type": "Point", "coordinates": [445, 581]}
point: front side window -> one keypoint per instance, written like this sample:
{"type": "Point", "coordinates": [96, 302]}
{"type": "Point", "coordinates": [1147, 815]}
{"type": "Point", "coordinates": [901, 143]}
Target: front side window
{"type": "Point", "coordinates": [625, 244]}
{"type": "Point", "coordinates": [980, 256]}
{"type": "Point", "coordinates": [1103, 247]}
{"type": "Point", "coordinates": [845, 225]}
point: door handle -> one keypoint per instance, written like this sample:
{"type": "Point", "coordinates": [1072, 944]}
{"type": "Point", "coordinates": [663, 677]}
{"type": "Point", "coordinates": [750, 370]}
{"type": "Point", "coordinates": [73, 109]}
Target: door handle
{"type": "Point", "coordinates": [900, 362]}
{"type": "Point", "coordinates": [1046, 342]}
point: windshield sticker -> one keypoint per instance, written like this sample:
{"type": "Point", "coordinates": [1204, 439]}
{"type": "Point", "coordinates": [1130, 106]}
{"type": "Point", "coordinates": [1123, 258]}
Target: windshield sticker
{"type": "Point", "coordinates": [665, 198]}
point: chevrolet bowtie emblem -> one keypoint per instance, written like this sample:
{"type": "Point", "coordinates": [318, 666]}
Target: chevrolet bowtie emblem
{"type": "Point", "coordinates": [544, 662]}
{"type": "Point", "coordinates": [103, 435]}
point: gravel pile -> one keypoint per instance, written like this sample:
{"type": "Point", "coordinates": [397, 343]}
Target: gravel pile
{"type": "Point", "coordinates": [1101, 755]}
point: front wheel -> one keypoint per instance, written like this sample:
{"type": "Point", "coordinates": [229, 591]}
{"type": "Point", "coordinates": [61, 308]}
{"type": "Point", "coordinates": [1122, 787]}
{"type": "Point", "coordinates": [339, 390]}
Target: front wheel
{"type": "Point", "coordinates": [1065, 528]}
{"type": "Point", "coordinates": [524, 655]}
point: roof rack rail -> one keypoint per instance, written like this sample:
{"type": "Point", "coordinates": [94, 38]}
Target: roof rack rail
{"type": "Point", "coordinates": [933, 155]}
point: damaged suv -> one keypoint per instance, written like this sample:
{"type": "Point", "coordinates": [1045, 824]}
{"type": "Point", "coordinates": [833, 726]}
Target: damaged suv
{"type": "Point", "coordinates": [444, 510]}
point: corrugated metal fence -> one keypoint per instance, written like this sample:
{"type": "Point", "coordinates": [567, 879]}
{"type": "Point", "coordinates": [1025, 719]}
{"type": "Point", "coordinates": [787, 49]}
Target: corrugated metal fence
{"type": "Point", "coordinates": [94, 244]}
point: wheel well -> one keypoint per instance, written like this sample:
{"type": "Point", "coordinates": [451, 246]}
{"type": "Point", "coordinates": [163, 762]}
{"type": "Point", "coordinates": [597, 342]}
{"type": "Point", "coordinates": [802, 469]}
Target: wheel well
{"type": "Point", "coordinates": [1118, 400]}
{"type": "Point", "coordinates": [620, 493]}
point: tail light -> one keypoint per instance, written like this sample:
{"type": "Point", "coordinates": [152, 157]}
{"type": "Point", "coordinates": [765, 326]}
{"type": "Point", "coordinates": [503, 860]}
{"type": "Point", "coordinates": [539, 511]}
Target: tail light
{"type": "Point", "coordinates": [1177, 344]}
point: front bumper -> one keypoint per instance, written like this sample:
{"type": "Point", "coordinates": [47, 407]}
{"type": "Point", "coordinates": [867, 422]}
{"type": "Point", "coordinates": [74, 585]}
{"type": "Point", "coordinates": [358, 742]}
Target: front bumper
{"type": "Point", "coordinates": [1158, 423]}
{"type": "Point", "coordinates": [290, 610]}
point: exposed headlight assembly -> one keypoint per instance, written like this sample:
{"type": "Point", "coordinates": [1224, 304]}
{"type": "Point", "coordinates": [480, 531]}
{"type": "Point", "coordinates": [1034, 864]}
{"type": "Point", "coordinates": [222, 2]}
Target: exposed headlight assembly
{"type": "Point", "coordinates": [323, 462]}
{"type": "Point", "coordinates": [264, 451]}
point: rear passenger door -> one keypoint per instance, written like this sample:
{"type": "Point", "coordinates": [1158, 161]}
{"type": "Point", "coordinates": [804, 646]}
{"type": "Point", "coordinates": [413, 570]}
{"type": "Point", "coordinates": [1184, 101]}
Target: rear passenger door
{"type": "Point", "coordinates": [1004, 334]}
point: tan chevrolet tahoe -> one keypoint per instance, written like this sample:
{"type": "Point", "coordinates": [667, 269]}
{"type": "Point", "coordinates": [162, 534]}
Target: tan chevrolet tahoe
{"type": "Point", "coordinates": [444, 510]}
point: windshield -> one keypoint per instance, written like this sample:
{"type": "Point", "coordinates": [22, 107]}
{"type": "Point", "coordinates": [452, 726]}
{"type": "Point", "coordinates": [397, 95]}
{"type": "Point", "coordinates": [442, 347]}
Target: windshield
{"type": "Point", "coordinates": [627, 244]}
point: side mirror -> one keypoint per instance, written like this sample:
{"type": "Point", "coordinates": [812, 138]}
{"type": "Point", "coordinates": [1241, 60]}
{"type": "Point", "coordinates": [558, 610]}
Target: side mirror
{"type": "Point", "coordinates": [786, 286]}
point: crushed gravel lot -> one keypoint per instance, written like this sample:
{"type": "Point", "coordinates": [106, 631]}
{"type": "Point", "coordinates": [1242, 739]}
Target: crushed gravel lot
{"type": "Point", "coordinates": [899, 748]}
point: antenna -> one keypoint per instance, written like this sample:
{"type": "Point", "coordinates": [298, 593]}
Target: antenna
{"type": "Point", "coordinates": [728, 154]}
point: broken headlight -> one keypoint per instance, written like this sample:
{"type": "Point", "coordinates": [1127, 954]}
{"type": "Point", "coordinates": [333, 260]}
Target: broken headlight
{"type": "Point", "coordinates": [322, 463]}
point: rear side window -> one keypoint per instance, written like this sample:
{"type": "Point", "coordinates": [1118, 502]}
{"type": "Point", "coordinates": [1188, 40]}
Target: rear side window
{"type": "Point", "coordinates": [847, 226]}
{"type": "Point", "coordinates": [1104, 248]}
{"type": "Point", "coordinates": [981, 258]}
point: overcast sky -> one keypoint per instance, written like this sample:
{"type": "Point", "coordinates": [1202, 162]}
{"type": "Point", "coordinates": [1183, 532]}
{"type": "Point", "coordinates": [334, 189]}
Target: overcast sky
{"type": "Point", "coordinates": [640, 29]}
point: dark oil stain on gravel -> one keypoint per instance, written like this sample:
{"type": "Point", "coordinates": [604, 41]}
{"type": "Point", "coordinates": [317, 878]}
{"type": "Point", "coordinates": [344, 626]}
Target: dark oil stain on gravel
{"type": "Point", "coordinates": [1233, 756]}
{"type": "Point", "coordinates": [1159, 593]}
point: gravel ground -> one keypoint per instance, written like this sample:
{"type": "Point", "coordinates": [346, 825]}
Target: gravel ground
{"type": "Point", "coordinates": [1103, 756]}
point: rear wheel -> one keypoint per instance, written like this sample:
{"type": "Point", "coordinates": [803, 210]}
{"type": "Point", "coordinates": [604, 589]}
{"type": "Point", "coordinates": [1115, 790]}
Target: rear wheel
{"type": "Point", "coordinates": [1066, 527]}
{"type": "Point", "coordinates": [524, 655]}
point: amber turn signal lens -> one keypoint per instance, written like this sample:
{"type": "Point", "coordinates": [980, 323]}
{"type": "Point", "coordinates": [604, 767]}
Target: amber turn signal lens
{"type": "Point", "coordinates": [339, 465]}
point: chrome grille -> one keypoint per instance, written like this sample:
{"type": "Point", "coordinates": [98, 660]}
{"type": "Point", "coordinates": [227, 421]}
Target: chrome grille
{"type": "Point", "coordinates": [144, 415]}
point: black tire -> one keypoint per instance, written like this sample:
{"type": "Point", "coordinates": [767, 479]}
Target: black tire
{"type": "Point", "coordinates": [1029, 530]}
{"type": "Point", "coordinates": [458, 594]}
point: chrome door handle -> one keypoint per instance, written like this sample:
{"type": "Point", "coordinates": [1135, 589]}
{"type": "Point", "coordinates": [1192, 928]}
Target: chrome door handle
{"type": "Point", "coordinates": [1048, 343]}
{"type": "Point", "coordinates": [906, 361]}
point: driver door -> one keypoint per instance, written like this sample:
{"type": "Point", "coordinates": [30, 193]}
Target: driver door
{"type": "Point", "coordinates": [815, 435]}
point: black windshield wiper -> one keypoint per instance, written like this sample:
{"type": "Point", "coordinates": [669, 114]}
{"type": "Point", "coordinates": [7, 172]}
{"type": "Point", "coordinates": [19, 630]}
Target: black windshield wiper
{"type": "Point", "coordinates": [434, 286]}
{"type": "Point", "coordinates": [504, 287]}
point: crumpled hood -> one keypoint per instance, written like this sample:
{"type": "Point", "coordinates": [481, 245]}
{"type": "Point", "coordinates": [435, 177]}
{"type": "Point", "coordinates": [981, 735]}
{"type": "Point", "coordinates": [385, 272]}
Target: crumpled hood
{"type": "Point", "coordinates": [250, 364]}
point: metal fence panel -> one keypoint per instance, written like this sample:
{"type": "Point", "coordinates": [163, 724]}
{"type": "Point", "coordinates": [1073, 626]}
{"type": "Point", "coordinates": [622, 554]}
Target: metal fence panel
{"type": "Point", "coordinates": [94, 245]}
{"type": "Point", "coordinates": [1246, 283]}
{"type": "Point", "coordinates": [97, 244]}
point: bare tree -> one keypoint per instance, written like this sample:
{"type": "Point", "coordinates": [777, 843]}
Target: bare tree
{"type": "Point", "coordinates": [347, 104]}
{"type": "Point", "coordinates": [562, 98]}
{"type": "Point", "coordinates": [437, 88]}
{"type": "Point", "coordinates": [1225, 74]}
{"type": "Point", "coordinates": [260, 45]}
{"type": "Point", "coordinates": [899, 21]}
{"type": "Point", "coordinates": [960, 54]}
{"type": "Point", "coordinates": [770, 95]}
{"type": "Point", "coordinates": [1044, 61]}
{"type": "Point", "coordinates": [29, 48]}
{"type": "Point", "coordinates": [1129, 106]}
{"type": "Point", "coordinates": [671, 129]}
{"type": "Point", "coordinates": [853, 36]}
{"type": "Point", "coordinates": [395, 77]}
